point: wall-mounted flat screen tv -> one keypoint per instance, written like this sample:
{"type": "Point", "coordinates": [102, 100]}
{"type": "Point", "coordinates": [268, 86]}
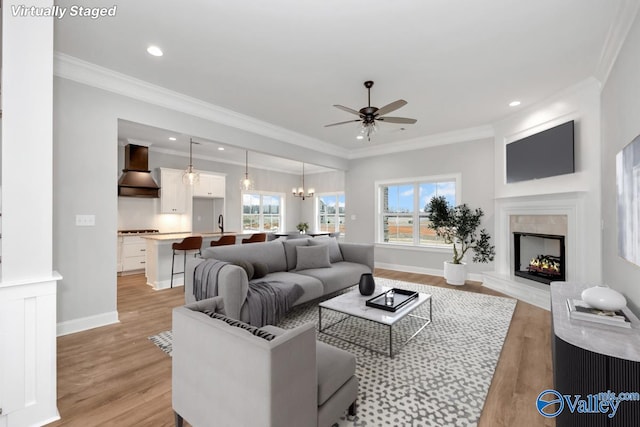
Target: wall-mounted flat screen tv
{"type": "Point", "coordinates": [544, 154]}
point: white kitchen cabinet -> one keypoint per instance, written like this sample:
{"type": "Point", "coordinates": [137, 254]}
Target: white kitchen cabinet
{"type": "Point", "coordinates": [132, 252]}
{"type": "Point", "coordinates": [173, 192]}
{"type": "Point", "coordinates": [210, 186]}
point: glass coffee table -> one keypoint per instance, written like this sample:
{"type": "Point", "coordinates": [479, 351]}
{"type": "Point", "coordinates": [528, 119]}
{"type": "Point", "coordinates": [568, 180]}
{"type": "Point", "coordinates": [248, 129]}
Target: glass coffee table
{"type": "Point", "coordinates": [353, 304]}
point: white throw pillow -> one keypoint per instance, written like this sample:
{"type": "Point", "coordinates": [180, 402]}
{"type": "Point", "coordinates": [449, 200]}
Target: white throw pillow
{"type": "Point", "coordinates": [312, 257]}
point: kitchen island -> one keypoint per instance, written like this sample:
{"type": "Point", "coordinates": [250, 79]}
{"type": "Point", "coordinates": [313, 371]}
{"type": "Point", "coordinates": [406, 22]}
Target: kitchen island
{"type": "Point", "coordinates": [159, 254]}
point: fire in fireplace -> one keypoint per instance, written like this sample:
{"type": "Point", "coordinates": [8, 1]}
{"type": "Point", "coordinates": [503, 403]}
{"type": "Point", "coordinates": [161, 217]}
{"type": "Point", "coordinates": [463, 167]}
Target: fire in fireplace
{"type": "Point", "coordinates": [539, 257]}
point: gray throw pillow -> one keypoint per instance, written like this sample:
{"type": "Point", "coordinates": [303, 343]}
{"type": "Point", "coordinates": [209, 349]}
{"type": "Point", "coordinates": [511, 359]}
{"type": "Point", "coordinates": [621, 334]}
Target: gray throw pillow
{"type": "Point", "coordinates": [260, 269]}
{"type": "Point", "coordinates": [335, 255]}
{"type": "Point", "coordinates": [246, 266]}
{"type": "Point", "coordinates": [312, 257]}
{"type": "Point", "coordinates": [290, 251]}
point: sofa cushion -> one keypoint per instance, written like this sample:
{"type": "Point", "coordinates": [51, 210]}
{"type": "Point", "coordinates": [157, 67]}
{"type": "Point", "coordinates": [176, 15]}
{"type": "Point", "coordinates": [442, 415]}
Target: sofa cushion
{"type": "Point", "coordinates": [334, 249]}
{"type": "Point", "coordinates": [291, 251]}
{"type": "Point", "coordinates": [341, 275]}
{"type": "Point", "coordinates": [335, 367]}
{"type": "Point", "coordinates": [270, 253]}
{"type": "Point", "coordinates": [258, 332]}
{"type": "Point", "coordinates": [260, 269]}
{"type": "Point", "coordinates": [312, 287]}
{"type": "Point", "coordinates": [312, 257]}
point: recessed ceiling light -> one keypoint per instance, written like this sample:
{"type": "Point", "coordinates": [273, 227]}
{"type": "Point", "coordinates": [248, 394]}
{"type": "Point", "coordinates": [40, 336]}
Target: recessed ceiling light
{"type": "Point", "coordinates": [171, 138]}
{"type": "Point", "coordinates": [154, 50]}
{"type": "Point", "coordinates": [359, 137]}
{"type": "Point", "coordinates": [514, 103]}
{"type": "Point", "coordinates": [220, 148]}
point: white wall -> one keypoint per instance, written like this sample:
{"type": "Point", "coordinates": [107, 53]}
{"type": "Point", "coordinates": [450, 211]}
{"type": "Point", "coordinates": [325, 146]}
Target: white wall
{"type": "Point", "coordinates": [473, 160]}
{"type": "Point", "coordinates": [28, 284]}
{"type": "Point", "coordinates": [85, 182]}
{"type": "Point", "coordinates": [580, 103]}
{"type": "Point", "coordinates": [620, 125]}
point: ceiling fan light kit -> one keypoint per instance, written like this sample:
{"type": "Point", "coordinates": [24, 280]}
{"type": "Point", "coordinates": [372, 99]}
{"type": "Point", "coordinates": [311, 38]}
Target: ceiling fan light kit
{"type": "Point", "coordinates": [370, 115]}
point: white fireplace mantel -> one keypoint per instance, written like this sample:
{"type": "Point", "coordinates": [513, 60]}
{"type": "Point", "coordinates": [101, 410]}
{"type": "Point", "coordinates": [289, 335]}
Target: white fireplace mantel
{"type": "Point", "coordinates": [570, 204]}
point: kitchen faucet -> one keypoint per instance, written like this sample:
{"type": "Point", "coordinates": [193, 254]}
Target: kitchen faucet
{"type": "Point", "coordinates": [221, 223]}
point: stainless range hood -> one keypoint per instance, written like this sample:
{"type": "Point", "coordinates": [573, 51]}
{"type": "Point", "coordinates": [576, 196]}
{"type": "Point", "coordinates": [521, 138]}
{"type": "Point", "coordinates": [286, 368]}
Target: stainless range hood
{"type": "Point", "coordinates": [136, 180]}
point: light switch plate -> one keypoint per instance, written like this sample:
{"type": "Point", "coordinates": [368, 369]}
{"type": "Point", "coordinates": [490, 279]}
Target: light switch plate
{"type": "Point", "coordinates": [85, 220]}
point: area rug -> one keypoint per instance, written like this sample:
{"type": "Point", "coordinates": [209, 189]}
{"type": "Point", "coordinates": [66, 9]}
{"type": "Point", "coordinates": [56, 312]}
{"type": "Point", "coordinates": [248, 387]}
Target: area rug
{"type": "Point", "coordinates": [440, 378]}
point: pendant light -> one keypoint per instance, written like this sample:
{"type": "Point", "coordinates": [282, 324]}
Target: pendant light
{"type": "Point", "coordinates": [190, 175]}
{"type": "Point", "coordinates": [246, 183]}
{"type": "Point", "coordinates": [300, 192]}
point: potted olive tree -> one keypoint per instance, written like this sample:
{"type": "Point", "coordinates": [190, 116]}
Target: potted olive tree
{"type": "Point", "coordinates": [458, 226]}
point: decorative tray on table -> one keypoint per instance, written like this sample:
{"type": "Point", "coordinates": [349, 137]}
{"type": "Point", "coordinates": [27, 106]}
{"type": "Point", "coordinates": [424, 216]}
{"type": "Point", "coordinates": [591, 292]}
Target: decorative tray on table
{"type": "Point", "coordinates": [401, 297]}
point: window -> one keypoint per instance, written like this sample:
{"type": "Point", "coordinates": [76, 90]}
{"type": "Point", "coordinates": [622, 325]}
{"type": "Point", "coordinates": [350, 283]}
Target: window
{"type": "Point", "coordinates": [261, 211]}
{"type": "Point", "coordinates": [402, 217]}
{"type": "Point", "coordinates": [330, 213]}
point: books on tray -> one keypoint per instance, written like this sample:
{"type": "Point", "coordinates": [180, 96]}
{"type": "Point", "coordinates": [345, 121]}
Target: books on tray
{"type": "Point", "coordinates": [580, 310]}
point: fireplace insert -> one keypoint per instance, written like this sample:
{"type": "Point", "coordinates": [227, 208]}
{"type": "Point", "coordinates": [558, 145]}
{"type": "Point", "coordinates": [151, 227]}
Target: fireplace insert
{"type": "Point", "coordinates": [539, 257]}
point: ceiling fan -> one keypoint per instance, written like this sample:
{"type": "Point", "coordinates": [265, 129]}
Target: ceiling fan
{"type": "Point", "coordinates": [369, 115]}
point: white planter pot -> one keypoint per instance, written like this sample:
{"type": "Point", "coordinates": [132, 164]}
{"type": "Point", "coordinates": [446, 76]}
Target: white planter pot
{"type": "Point", "coordinates": [455, 274]}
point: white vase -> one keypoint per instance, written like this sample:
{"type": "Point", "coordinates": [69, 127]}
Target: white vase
{"type": "Point", "coordinates": [455, 274]}
{"type": "Point", "coordinates": [604, 298]}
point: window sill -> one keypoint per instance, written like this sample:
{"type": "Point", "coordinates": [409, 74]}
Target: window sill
{"type": "Point", "coordinates": [424, 248]}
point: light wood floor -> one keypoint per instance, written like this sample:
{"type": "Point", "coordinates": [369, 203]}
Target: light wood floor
{"type": "Point", "coordinates": [115, 376]}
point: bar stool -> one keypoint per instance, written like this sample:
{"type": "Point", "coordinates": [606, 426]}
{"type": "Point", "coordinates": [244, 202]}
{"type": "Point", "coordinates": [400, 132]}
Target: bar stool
{"type": "Point", "coordinates": [256, 238]}
{"type": "Point", "coordinates": [192, 243]}
{"type": "Point", "coordinates": [224, 240]}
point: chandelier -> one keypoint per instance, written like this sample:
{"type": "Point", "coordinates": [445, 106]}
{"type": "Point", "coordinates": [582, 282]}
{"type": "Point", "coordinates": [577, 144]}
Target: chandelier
{"type": "Point", "coordinates": [300, 191]}
{"type": "Point", "coordinates": [190, 176]}
{"type": "Point", "coordinates": [246, 183]}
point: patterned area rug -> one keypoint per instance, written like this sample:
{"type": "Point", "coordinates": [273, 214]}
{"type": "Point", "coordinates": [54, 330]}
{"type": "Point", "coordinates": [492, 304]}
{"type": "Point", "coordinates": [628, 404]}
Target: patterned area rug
{"type": "Point", "coordinates": [440, 378]}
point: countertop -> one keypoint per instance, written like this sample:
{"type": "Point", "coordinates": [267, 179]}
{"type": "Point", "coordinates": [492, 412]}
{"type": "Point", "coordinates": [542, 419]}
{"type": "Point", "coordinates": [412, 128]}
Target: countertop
{"type": "Point", "coordinates": [179, 236]}
{"type": "Point", "coordinates": [623, 343]}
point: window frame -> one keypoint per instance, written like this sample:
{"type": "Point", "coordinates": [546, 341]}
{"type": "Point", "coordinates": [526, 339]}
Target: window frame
{"type": "Point", "coordinates": [261, 193]}
{"type": "Point", "coordinates": [336, 194]}
{"type": "Point", "coordinates": [415, 181]}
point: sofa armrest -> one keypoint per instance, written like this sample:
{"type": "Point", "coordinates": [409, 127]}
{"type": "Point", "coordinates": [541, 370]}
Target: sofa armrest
{"type": "Point", "coordinates": [361, 253]}
{"type": "Point", "coordinates": [233, 286]}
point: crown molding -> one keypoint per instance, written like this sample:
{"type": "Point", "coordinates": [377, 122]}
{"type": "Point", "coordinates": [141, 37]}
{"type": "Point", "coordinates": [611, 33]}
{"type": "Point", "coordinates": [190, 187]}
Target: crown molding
{"type": "Point", "coordinates": [453, 137]}
{"type": "Point", "coordinates": [72, 68]}
{"type": "Point", "coordinates": [616, 37]}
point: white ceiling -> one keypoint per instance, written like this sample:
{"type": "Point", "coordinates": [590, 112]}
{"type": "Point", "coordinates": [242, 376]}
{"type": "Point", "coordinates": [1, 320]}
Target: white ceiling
{"type": "Point", "coordinates": [286, 62]}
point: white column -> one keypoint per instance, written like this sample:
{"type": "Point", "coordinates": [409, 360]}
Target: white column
{"type": "Point", "coordinates": [28, 284]}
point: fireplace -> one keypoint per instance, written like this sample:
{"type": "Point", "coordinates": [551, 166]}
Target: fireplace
{"type": "Point", "coordinates": [539, 257]}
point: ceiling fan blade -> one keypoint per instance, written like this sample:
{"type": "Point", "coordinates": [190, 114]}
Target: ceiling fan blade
{"type": "Point", "coordinates": [397, 120]}
{"type": "Point", "coordinates": [391, 107]}
{"type": "Point", "coordinates": [348, 110]}
{"type": "Point", "coordinates": [343, 123]}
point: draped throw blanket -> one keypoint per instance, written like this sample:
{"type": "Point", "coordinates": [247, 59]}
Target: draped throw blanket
{"type": "Point", "coordinates": [269, 301]}
{"type": "Point", "coordinates": [205, 278]}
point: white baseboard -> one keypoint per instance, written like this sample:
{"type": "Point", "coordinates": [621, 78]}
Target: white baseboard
{"type": "Point", "coordinates": [422, 270]}
{"type": "Point", "coordinates": [84, 323]}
